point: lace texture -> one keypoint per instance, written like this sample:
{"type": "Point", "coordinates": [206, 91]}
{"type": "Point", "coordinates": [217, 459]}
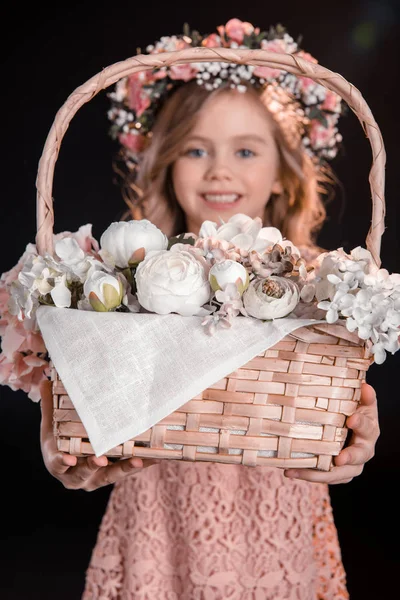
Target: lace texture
{"type": "Point", "coordinates": [204, 531]}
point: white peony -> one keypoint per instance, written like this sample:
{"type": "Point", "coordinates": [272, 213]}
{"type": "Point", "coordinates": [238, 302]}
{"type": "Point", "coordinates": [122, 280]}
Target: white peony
{"type": "Point", "coordinates": [104, 291]}
{"type": "Point", "coordinates": [173, 281]}
{"type": "Point", "coordinates": [228, 271]}
{"type": "Point", "coordinates": [271, 298]}
{"type": "Point", "coordinates": [126, 243]}
{"type": "Point", "coordinates": [245, 233]}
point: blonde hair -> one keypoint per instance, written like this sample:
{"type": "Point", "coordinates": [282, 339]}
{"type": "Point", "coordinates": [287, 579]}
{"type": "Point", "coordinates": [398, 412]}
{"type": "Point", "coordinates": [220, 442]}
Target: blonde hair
{"type": "Point", "coordinates": [298, 212]}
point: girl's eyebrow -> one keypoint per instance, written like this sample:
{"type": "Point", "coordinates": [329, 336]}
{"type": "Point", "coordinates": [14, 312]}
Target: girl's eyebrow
{"type": "Point", "coordinates": [245, 136]}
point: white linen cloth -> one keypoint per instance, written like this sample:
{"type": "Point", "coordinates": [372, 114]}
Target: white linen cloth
{"type": "Point", "coordinates": [124, 372]}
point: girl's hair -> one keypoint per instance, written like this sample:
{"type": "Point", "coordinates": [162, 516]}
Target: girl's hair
{"type": "Point", "coordinates": [298, 212]}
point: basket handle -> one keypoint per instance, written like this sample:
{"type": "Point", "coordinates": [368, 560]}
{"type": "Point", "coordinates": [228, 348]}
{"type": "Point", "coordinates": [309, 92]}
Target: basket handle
{"type": "Point", "coordinates": [144, 62]}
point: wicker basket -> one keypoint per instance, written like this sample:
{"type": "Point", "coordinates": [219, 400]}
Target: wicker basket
{"type": "Point", "coordinates": [287, 407]}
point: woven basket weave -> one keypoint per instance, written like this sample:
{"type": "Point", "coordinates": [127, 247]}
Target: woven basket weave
{"type": "Point", "coordinates": [287, 407]}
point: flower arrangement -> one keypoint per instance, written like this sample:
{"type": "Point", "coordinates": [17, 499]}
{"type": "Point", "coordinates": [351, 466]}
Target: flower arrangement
{"type": "Point", "coordinates": [236, 269]}
{"type": "Point", "coordinates": [308, 110]}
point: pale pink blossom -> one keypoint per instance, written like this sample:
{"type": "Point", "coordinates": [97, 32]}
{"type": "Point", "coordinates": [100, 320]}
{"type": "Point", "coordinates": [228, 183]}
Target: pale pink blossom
{"type": "Point", "coordinates": [277, 45]}
{"type": "Point", "coordinates": [134, 142]}
{"type": "Point", "coordinates": [83, 237]}
{"type": "Point", "coordinates": [306, 84]}
{"type": "Point", "coordinates": [137, 96]}
{"type": "Point", "coordinates": [216, 249]}
{"type": "Point", "coordinates": [24, 373]}
{"type": "Point", "coordinates": [212, 41]}
{"type": "Point", "coordinates": [332, 101]}
{"type": "Point", "coordinates": [320, 136]}
{"type": "Point", "coordinates": [234, 29]}
{"type": "Point", "coordinates": [266, 72]}
{"type": "Point", "coordinates": [182, 72]}
{"type": "Point", "coordinates": [307, 56]}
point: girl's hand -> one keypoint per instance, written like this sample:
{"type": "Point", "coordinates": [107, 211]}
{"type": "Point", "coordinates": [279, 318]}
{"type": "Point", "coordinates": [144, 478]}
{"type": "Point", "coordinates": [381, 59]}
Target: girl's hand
{"type": "Point", "coordinates": [350, 462]}
{"type": "Point", "coordinates": [88, 473]}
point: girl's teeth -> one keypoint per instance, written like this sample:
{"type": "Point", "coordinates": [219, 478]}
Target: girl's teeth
{"type": "Point", "coordinates": [221, 197]}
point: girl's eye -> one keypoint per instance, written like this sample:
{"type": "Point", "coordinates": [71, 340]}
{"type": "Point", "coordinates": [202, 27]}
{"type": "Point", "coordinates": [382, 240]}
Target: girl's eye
{"type": "Point", "coordinates": [246, 153]}
{"type": "Point", "coordinates": [195, 152]}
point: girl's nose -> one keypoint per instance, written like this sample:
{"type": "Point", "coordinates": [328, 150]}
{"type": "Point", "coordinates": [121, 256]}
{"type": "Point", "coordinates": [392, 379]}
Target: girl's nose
{"type": "Point", "coordinates": [219, 170]}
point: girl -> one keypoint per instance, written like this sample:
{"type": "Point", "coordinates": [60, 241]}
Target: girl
{"type": "Point", "coordinates": [190, 531]}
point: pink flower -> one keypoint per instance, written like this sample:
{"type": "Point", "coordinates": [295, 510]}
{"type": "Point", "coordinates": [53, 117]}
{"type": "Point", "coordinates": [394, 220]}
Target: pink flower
{"type": "Point", "coordinates": [306, 83]}
{"type": "Point", "coordinates": [331, 102]}
{"type": "Point", "coordinates": [212, 41]}
{"type": "Point", "coordinates": [160, 74]}
{"type": "Point", "coordinates": [307, 56]}
{"type": "Point", "coordinates": [278, 46]}
{"type": "Point", "coordinates": [83, 237]}
{"type": "Point", "coordinates": [235, 30]}
{"type": "Point", "coordinates": [249, 29]}
{"type": "Point", "coordinates": [266, 72]}
{"type": "Point", "coordinates": [132, 141]}
{"type": "Point", "coordinates": [320, 136]}
{"type": "Point", "coordinates": [138, 99]}
{"type": "Point", "coordinates": [216, 249]}
{"type": "Point", "coordinates": [24, 373]}
{"type": "Point", "coordinates": [182, 72]}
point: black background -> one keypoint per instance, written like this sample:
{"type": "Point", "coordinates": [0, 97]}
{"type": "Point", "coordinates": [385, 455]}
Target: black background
{"type": "Point", "coordinates": [47, 532]}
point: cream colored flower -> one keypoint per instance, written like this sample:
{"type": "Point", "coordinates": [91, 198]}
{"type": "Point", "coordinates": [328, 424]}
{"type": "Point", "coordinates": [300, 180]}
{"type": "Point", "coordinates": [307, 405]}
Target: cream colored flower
{"type": "Point", "coordinates": [173, 281]}
{"type": "Point", "coordinates": [228, 271]}
{"type": "Point", "coordinates": [271, 298]}
{"type": "Point", "coordinates": [126, 243]}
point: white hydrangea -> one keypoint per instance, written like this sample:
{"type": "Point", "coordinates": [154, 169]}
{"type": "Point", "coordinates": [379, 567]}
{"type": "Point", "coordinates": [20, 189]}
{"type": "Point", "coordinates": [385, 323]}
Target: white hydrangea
{"type": "Point", "coordinates": [367, 298]}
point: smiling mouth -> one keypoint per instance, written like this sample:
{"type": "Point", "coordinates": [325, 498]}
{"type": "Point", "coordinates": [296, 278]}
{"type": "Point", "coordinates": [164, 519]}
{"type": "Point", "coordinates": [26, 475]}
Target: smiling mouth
{"type": "Point", "coordinates": [221, 199]}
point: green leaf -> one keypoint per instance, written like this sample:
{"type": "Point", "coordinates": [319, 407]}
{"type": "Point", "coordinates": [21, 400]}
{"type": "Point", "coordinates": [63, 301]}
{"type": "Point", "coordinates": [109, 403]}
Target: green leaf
{"type": "Point", "coordinates": [180, 239]}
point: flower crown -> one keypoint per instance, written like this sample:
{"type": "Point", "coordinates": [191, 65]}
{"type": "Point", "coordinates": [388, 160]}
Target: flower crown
{"type": "Point", "coordinates": [306, 111]}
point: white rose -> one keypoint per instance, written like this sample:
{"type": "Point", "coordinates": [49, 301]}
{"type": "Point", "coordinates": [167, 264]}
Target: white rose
{"type": "Point", "coordinates": [127, 242]}
{"type": "Point", "coordinates": [173, 280]}
{"type": "Point", "coordinates": [228, 271]}
{"type": "Point", "coordinates": [103, 291]}
{"type": "Point", "coordinates": [245, 233]}
{"type": "Point", "coordinates": [271, 298]}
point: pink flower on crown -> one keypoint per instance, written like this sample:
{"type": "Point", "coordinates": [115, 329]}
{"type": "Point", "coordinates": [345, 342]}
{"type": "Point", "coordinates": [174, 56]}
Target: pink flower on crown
{"type": "Point", "coordinates": [331, 102]}
{"type": "Point", "coordinates": [212, 41]}
{"type": "Point", "coordinates": [277, 45]}
{"type": "Point", "coordinates": [182, 72]}
{"type": "Point", "coordinates": [307, 56]}
{"type": "Point", "coordinates": [306, 82]}
{"type": "Point", "coordinates": [138, 99]}
{"type": "Point", "coordinates": [236, 30]}
{"type": "Point", "coordinates": [133, 141]}
{"type": "Point", "coordinates": [266, 72]}
{"type": "Point", "coordinates": [320, 136]}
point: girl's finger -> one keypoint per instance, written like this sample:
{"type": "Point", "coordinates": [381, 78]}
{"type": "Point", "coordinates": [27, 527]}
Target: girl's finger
{"type": "Point", "coordinates": [334, 476]}
{"type": "Point", "coordinates": [356, 454]}
{"type": "Point", "coordinates": [60, 463]}
{"type": "Point", "coordinates": [368, 395]}
{"type": "Point", "coordinates": [118, 470]}
{"type": "Point", "coordinates": [46, 405]}
{"type": "Point", "coordinates": [363, 426]}
{"type": "Point", "coordinates": [86, 468]}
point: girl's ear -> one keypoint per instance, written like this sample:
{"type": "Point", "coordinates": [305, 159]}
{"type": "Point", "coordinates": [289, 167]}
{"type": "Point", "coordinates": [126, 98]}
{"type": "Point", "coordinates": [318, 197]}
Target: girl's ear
{"type": "Point", "coordinates": [277, 187]}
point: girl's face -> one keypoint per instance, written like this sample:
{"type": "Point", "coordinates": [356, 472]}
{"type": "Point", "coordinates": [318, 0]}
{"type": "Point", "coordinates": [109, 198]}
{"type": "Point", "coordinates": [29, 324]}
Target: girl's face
{"type": "Point", "coordinates": [229, 162]}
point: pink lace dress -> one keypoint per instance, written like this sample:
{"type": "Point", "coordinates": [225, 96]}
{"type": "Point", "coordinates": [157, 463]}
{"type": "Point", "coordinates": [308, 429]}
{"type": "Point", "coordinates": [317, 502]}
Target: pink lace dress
{"type": "Point", "coordinates": [204, 531]}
